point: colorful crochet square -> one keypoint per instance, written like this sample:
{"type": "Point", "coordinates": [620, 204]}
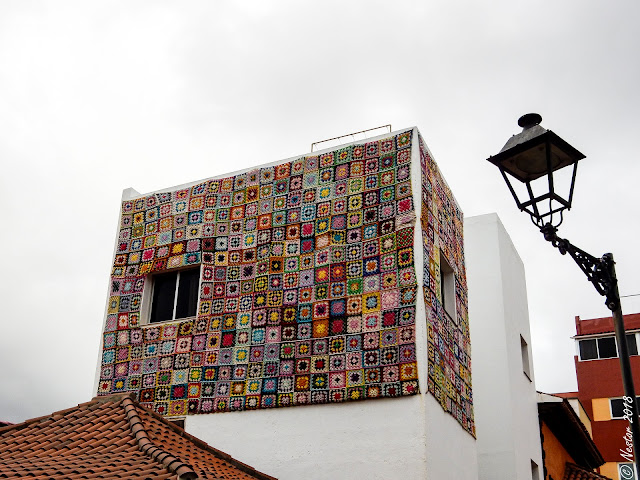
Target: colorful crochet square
{"type": "Point", "coordinates": [307, 290]}
{"type": "Point", "coordinates": [449, 345]}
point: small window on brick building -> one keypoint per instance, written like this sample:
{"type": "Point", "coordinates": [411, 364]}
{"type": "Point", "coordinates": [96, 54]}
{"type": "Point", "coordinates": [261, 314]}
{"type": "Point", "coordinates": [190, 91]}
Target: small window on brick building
{"type": "Point", "coordinates": [632, 344]}
{"type": "Point", "coordinates": [617, 407]}
{"type": "Point", "coordinates": [588, 349]}
{"type": "Point", "coordinates": [607, 347]}
{"type": "Point", "coordinates": [174, 295]}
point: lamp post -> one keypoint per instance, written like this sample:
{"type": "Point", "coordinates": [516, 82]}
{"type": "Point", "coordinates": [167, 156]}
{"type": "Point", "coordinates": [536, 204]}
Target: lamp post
{"type": "Point", "coordinates": [532, 157]}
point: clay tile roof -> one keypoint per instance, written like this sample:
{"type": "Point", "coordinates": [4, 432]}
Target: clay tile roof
{"type": "Point", "coordinates": [112, 437]}
{"type": "Point", "coordinates": [574, 472]}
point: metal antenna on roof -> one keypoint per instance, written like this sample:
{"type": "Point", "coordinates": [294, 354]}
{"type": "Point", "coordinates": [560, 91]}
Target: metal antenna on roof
{"type": "Point", "coordinates": [352, 135]}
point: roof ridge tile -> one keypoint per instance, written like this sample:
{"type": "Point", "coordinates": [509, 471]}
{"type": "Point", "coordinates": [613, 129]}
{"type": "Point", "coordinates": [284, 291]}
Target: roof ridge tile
{"type": "Point", "coordinates": [173, 464]}
{"type": "Point", "coordinates": [201, 444]}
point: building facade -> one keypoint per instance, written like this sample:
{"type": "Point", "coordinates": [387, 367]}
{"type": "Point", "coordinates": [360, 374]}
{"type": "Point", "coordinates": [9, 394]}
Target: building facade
{"type": "Point", "coordinates": [303, 283]}
{"type": "Point", "coordinates": [600, 387]}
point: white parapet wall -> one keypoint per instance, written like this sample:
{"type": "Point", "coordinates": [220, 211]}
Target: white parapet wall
{"type": "Point", "coordinates": [401, 438]}
{"type": "Point", "coordinates": [381, 439]}
{"type": "Point", "coordinates": [504, 391]}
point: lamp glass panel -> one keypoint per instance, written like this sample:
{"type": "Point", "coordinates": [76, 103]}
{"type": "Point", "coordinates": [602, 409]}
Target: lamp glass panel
{"type": "Point", "coordinates": [562, 181]}
{"type": "Point", "coordinates": [519, 188]}
{"type": "Point", "coordinates": [540, 186]}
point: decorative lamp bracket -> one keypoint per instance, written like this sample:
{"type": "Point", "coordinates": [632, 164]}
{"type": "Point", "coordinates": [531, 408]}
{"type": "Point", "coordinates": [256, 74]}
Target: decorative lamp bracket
{"type": "Point", "coordinates": [599, 271]}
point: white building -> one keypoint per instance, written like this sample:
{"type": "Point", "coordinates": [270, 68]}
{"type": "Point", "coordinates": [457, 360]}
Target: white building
{"type": "Point", "coordinates": [504, 391]}
{"type": "Point", "coordinates": [304, 283]}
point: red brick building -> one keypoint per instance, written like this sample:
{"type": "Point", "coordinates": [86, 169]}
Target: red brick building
{"type": "Point", "coordinates": [600, 387]}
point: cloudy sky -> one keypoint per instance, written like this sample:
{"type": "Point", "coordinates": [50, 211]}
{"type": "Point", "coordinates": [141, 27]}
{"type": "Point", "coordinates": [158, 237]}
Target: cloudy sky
{"type": "Point", "coordinates": [99, 96]}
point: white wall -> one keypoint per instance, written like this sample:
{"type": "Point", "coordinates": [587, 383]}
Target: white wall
{"type": "Point", "coordinates": [400, 438]}
{"type": "Point", "coordinates": [372, 439]}
{"type": "Point", "coordinates": [504, 397]}
{"type": "Point", "coordinates": [451, 451]}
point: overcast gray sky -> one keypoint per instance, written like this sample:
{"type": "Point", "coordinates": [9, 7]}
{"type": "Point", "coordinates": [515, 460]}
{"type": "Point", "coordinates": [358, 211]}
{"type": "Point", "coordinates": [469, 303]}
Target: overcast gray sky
{"type": "Point", "coordinates": [99, 96]}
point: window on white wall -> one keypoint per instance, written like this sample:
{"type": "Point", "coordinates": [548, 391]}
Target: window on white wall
{"type": "Point", "coordinates": [535, 474]}
{"type": "Point", "coordinates": [526, 362]}
{"type": "Point", "coordinates": [448, 288]}
{"type": "Point", "coordinates": [174, 295]}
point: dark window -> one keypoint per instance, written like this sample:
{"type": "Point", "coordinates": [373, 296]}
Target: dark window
{"type": "Point", "coordinates": [164, 293]}
{"type": "Point", "coordinates": [187, 301]}
{"type": "Point", "coordinates": [524, 351]}
{"type": "Point", "coordinates": [535, 474]}
{"type": "Point", "coordinates": [588, 349]}
{"type": "Point", "coordinates": [617, 408]}
{"type": "Point", "coordinates": [631, 344]}
{"type": "Point", "coordinates": [618, 405]}
{"type": "Point", "coordinates": [607, 347]}
{"type": "Point", "coordinates": [175, 295]}
{"type": "Point", "coordinates": [448, 288]}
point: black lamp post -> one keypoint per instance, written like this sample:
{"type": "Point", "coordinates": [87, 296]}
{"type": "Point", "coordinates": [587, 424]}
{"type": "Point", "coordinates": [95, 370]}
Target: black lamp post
{"type": "Point", "coordinates": [532, 157]}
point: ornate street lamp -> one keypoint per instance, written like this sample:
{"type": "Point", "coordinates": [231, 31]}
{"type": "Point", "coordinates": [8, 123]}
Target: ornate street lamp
{"type": "Point", "coordinates": [534, 157]}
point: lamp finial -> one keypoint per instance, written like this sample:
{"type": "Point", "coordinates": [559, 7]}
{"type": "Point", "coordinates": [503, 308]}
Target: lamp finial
{"type": "Point", "coordinates": [529, 120]}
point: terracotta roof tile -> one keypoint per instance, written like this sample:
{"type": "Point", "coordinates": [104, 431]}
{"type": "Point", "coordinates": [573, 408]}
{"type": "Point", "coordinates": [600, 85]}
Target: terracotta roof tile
{"type": "Point", "coordinates": [574, 472]}
{"type": "Point", "coordinates": [112, 437]}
